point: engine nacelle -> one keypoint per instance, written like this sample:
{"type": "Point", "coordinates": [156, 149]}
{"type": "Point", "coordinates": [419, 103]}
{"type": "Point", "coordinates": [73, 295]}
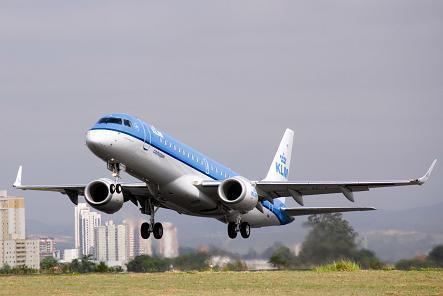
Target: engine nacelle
{"type": "Point", "coordinates": [238, 194]}
{"type": "Point", "coordinates": [99, 196]}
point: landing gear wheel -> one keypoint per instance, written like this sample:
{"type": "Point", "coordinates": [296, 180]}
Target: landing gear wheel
{"type": "Point", "coordinates": [245, 230]}
{"type": "Point", "coordinates": [118, 188]}
{"type": "Point", "coordinates": [112, 188]}
{"type": "Point", "coordinates": [232, 230]}
{"type": "Point", "coordinates": [158, 230]}
{"type": "Point", "coordinates": [144, 230]}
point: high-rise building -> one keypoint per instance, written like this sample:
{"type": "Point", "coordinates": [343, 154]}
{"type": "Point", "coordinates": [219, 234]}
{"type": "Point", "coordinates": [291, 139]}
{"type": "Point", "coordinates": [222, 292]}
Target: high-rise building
{"type": "Point", "coordinates": [121, 245]}
{"type": "Point", "coordinates": [20, 252]}
{"type": "Point", "coordinates": [101, 253]}
{"type": "Point", "coordinates": [135, 244]}
{"type": "Point", "coordinates": [47, 247]}
{"type": "Point", "coordinates": [168, 244]}
{"type": "Point", "coordinates": [85, 223]}
{"type": "Point", "coordinates": [81, 206]}
{"type": "Point", "coordinates": [110, 243]}
{"type": "Point", "coordinates": [12, 217]}
{"type": "Point", "coordinates": [15, 250]}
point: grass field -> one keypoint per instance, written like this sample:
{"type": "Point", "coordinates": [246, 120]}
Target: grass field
{"type": "Point", "coordinates": [229, 283]}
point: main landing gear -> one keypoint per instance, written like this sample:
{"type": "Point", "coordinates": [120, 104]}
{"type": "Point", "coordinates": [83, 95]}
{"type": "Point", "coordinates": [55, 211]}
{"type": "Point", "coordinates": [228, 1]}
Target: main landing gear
{"type": "Point", "coordinates": [152, 227]}
{"type": "Point", "coordinates": [146, 229]}
{"type": "Point", "coordinates": [235, 227]}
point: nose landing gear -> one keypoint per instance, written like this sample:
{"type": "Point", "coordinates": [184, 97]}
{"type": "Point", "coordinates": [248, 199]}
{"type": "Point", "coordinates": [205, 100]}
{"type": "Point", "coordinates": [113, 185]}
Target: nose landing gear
{"type": "Point", "coordinates": [115, 168]}
{"type": "Point", "coordinates": [116, 188]}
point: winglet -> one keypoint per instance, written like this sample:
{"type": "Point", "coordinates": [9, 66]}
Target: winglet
{"type": "Point", "coordinates": [18, 180]}
{"type": "Point", "coordinates": [425, 178]}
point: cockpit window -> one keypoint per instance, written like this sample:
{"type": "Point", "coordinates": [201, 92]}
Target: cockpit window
{"type": "Point", "coordinates": [127, 123]}
{"type": "Point", "coordinates": [110, 120]}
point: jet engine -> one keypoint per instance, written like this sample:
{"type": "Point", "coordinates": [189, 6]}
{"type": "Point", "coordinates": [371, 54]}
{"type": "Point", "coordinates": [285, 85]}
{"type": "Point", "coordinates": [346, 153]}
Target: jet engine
{"type": "Point", "coordinates": [98, 195]}
{"type": "Point", "coordinates": [238, 194]}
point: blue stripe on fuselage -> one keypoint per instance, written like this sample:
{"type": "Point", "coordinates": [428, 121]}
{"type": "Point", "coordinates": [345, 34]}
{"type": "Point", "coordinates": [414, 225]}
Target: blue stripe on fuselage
{"type": "Point", "coordinates": [163, 142]}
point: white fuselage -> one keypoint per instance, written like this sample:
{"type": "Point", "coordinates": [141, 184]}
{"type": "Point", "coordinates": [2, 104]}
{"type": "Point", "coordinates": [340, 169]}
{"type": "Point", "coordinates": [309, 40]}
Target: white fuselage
{"type": "Point", "coordinates": [169, 179]}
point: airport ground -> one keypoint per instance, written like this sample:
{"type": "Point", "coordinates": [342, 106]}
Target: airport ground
{"type": "Point", "coordinates": [229, 283]}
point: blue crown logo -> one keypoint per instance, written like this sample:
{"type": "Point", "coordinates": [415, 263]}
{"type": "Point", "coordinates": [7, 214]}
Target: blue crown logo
{"type": "Point", "coordinates": [283, 158]}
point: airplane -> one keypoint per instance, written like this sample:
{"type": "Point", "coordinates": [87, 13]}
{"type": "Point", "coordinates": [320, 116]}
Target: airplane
{"type": "Point", "coordinates": [175, 176]}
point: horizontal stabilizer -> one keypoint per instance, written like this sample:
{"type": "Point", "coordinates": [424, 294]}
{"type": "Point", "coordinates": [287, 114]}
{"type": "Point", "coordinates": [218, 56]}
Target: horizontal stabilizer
{"type": "Point", "coordinates": [311, 211]}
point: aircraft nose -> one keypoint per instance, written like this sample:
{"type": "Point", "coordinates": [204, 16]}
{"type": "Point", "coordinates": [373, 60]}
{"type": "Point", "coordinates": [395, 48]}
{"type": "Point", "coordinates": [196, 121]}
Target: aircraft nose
{"type": "Point", "coordinates": [92, 140]}
{"type": "Point", "coordinates": [99, 142]}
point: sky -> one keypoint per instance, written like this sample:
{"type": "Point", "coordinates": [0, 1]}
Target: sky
{"type": "Point", "coordinates": [360, 82]}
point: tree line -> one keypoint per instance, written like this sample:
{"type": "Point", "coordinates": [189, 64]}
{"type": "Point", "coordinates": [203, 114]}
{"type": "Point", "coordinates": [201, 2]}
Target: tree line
{"type": "Point", "coordinates": [331, 239]}
{"type": "Point", "coordinates": [191, 261]}
{"type": "Point", "coordinates": [434, 259]}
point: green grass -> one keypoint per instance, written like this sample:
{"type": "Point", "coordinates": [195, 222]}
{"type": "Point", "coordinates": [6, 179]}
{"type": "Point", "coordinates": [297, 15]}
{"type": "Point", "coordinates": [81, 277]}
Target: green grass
{"type": "Point", "coordinates": [342, 265]}
{"type": "Point", "coordinates": [228, 283]}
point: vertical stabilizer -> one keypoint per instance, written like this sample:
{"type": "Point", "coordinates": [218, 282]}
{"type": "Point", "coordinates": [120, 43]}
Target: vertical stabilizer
{"type": "Point", "coordinates": [279, 169]}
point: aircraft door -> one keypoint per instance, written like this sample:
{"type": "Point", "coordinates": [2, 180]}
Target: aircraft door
{"type": "Point", "coordinates": [146, 136]}
{"type": "Point", "coordinates": [206, 165]}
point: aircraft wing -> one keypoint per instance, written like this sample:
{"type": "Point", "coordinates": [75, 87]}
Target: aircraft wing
{"type": "Point", "coordinates": [130, 190]}
{"type": "Point", "coordinates": [311, 211]}
{"type": "Point", "coordinates": [270, 190]}
{"type": "Point", "coordinates": [298, 189]}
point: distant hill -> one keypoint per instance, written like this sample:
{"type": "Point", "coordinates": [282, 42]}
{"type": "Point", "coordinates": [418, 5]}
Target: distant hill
{"type": "Point", "coordinates": [399, 234]}
{"type": "Point", "coordinates": [427, 219]}
{"type": "Point", "coordinates": [37, 227]}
